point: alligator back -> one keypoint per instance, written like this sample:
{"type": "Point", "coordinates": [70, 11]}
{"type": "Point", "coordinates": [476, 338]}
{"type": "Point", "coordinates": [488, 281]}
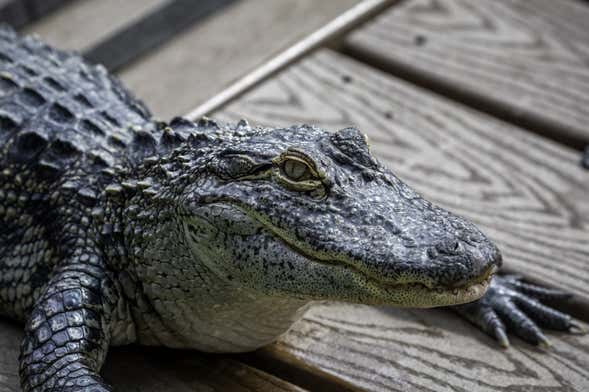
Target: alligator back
{"type": "Point", "coordinates": [63, 124]}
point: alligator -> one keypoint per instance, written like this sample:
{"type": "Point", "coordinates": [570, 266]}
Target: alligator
{"type": "Point", "coordinates": [116, 228]}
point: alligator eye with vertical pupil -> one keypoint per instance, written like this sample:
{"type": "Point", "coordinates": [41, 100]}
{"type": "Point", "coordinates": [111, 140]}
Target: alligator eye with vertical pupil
{"type": "Point", "coordinates": [296, 170]}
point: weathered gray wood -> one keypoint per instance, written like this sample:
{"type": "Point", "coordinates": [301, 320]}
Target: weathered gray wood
{"type": "Point", "coordinates": [154, 369]}
{"type": "Point", "coordinates": [524, 60]}
{"type": "Point", "coordinates": [154, 29]}
{"type": "Point", "coordinates": [206, 58]}
{"type": "Point", "coordinates": [524, 191]}
{"type": "Point", "coordinates": [326, 35]}
{"type": "Point", "coordinates": [83, 23]}
{"type": "Point", "coordinates": [203, 60]}
{"type": "Point", "coordinates": [385, 349]}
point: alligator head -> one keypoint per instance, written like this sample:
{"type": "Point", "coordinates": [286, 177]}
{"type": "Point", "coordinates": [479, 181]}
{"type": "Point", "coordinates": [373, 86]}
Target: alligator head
{"type": "Point", "coordinates": [305, 213]}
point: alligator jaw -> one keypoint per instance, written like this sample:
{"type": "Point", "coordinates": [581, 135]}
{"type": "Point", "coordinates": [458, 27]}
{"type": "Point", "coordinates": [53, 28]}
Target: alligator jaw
{"type": "Point", "coordinates": [416, 295]}
{"type": "Point", "coordinates": [441, 296]}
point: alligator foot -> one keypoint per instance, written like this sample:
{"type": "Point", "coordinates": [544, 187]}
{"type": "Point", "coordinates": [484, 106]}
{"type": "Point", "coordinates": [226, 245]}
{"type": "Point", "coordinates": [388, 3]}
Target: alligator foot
{"type": "Point", "coordinates": [585, 158]}
{"type": "Point", "coordinates": [514, 305]}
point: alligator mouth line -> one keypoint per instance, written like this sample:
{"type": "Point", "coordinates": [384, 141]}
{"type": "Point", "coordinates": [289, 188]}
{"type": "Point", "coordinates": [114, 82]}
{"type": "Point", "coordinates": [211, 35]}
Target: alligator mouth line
{"type": "Point", "coordinates": [471, 291]}
{"type": "Point", "coordinates": [449, 296]}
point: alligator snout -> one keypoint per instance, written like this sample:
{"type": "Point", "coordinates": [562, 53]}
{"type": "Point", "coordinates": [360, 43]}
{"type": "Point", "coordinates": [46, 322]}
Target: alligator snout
{"type": "Point", "coordinates": [460, 263]}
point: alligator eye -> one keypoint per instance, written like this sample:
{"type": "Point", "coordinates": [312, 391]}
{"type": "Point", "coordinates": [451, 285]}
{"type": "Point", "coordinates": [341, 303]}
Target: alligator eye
{"type": "Point", "coordinates": [296, 170]}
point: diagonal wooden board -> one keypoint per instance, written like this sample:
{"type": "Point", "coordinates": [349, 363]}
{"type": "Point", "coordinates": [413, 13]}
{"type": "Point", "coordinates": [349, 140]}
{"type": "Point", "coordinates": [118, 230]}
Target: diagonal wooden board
{"type": "Point", "coordinates": [524, 60]}
{"type": "Point", "coordinates": [203, 59]}
{"type": "Point", "coordinates": [80, 25]}
{"type": "Point", "coordinates": [527, 193]}
{"type": "Point", "coordinates": [207, 57]}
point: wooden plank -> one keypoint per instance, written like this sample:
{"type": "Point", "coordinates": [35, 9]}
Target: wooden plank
{"type": "Point", "coordinates": [526, 192]}
{"type": "Point", "coordinates": [386, 349]}
{"type": "Point", "coordinates": [209, 56]}
{"type": "Point", "coordinates": [522, 60]}
{"type": "Point", "coordinates": [154, 369]}
{"type": "Point", "coordinates": [82, 24]}
{"type": "Point", "coordinates": [330, 32]}
{"type": "Point", "coordinates": [154, 29]}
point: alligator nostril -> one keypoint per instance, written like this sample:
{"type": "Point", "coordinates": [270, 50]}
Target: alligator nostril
{"type": "Point", "coordinates": [455, 246]}
{"type": "Point", "coordinates": [451, 247]}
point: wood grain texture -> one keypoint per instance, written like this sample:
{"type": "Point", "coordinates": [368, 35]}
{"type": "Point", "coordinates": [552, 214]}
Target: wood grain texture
{"type": "Point", "coordinates": [133, 369]}
{"type": "Point", "coordinates": [385, 349]}
{"type": "Point", "coordinates": [206, 58]}
{"type": "Point", "coordinates": [526, 60]}
{"type": "Point", "coordinates": [528, 194]}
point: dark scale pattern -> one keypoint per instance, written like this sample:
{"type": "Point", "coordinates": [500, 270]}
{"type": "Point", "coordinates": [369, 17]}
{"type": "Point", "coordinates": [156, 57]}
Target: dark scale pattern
{"type": "Point", "coordinates": [118, 229]}
{"type": "Point", "coordinates": [65, 337]}
{"type": "Point", "coordinates": [56, 114]}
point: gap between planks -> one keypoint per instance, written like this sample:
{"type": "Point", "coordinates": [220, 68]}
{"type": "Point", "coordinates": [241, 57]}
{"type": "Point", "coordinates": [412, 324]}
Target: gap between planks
{"type": "Point", "coordinates": [18, 13]}
{"type": "Point", "coordinates": [123, 47]}
{"type": "Point", "coordinates": [504, 111]}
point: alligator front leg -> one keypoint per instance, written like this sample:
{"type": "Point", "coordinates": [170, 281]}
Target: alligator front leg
{"type": "Point", "coordinates": [67, 334]}
{"type": "Point", "coordinates": [585, 158]}
{"type": "Point", "coordinates": [511, 304]}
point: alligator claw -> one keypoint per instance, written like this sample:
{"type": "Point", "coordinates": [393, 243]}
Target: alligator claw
{"type": "Point", "coordinates": [513, 305]}
{"type": "Point", "coordinates": [501, 336]}
{"type": "Point", "coordinates": [577, 328]}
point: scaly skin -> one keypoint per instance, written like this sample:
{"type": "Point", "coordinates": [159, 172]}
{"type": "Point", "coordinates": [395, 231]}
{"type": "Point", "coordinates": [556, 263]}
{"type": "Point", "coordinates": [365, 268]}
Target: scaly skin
{"type": "Point", "coordinates": [117, 229]}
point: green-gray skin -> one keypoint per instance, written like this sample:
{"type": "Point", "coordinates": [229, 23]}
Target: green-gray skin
{"type": "Point", "coordinates": [117, 229]}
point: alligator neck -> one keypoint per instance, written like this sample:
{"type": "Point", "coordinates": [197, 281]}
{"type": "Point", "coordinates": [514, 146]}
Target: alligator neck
{"type": "Point", "coordinates": [182, 303]}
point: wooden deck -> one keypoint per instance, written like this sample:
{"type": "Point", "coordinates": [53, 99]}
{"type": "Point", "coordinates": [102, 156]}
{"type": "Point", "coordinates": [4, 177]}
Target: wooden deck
{"type": "Point", "coordinates": [481, 106]}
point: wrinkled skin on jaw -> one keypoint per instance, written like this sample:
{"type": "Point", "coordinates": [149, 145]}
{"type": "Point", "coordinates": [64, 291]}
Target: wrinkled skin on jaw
{"type": "Point", "coordinates": [307, 213]}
